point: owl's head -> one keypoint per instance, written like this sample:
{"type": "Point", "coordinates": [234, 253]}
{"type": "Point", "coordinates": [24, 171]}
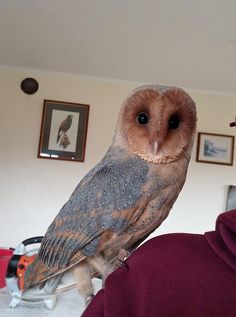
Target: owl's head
{"type": "Point", "coordinates": [157, 123]}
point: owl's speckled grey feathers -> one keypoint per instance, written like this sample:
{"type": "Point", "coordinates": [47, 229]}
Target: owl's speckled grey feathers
{"type": "Point", "coordinates": [113, 185]}
{"type": "Point", "coordinates": [130, 191]}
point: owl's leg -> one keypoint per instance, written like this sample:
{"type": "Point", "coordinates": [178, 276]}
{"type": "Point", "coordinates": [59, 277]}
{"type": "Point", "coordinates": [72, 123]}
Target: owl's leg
{"type": "Point", "coordinates": [102, 266]}
{"type": "Point", "coordinates": [84, 281]}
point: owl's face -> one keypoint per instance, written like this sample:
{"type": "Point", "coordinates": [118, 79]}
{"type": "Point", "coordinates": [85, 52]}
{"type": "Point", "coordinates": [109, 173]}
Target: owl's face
{"type": "Point", "coordinates": [158, 125]}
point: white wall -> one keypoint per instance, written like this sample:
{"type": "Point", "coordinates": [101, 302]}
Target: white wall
{"type": "Point", "coordinates": [33, 190]}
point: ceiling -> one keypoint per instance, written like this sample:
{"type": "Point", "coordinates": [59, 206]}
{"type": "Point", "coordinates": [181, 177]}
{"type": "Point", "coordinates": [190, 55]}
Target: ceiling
{"type": "Point", "coordinates": [188, 43]}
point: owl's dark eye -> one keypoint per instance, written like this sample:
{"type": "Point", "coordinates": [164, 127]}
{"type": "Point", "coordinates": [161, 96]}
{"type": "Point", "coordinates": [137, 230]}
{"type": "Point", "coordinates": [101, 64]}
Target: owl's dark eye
{"type": "Point", "coordinates": [174, 122]}
{"type": "Point", "coordinates": [142, 118]}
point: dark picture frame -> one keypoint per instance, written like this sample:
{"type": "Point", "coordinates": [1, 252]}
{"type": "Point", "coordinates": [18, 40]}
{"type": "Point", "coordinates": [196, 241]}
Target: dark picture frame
{"type": "Point", "coordinates": [231, 199]}
{"type": "Point", "coordinates": [63, 131]}
{"type": "Point", "coordinates": [215, 148]}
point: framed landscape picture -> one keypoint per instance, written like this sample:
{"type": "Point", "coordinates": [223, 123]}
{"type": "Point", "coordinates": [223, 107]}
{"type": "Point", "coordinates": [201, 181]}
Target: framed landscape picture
{"type": "Point", "coordinates": [215, 148]}
{"type": "Point", "coordinates": [63, 131]}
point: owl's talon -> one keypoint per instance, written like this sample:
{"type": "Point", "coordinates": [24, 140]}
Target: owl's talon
{"type": "Point", "coordinates": [120, 261]}
{"type": "Point", "coordinates": [88, 299]}
{"type": "Point", "coordinates": [123, 254]}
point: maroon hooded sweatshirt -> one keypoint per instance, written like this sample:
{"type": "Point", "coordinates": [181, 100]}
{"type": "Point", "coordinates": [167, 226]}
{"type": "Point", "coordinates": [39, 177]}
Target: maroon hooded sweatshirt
{"type": "Point", "coordinates": [177, 274]}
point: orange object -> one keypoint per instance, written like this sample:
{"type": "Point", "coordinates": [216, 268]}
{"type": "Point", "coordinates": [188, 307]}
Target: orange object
{"type": "Point", "coordinates": [21, 268]}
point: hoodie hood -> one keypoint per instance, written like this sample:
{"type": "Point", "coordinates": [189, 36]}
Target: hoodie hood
{"type": "Point", "coordinates": [223, 239]}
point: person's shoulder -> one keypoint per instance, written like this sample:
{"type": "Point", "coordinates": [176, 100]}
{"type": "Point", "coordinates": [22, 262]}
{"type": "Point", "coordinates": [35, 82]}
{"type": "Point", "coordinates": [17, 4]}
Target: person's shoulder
{"type": "Point", "coordinates": [167, 246]}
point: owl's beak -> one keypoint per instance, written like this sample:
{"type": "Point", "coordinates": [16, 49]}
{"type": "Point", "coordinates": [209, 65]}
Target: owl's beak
{"type": "Point", "coordinates": [154, 147]}
{"type": "Point", "coordinates": [154, 142]}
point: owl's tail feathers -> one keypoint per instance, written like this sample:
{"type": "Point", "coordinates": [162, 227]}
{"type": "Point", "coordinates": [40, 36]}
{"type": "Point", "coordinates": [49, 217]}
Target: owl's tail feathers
{"type": "Point", "coordinates": [37, 273]}
{"type": "Point", "coordinates": [51, 285]}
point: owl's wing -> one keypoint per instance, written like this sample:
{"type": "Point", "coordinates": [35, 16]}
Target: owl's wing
{"type": "Point", "coordinates": [107, 201]}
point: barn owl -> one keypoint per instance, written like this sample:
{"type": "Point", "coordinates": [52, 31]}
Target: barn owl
{"type": "Point", "coordinates": [127, 195]}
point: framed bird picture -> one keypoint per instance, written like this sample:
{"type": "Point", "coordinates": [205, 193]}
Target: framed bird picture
{"type": "Point", "coordinates": [215, 148]}
{"type": "Point", "coordinates": [63, 131]}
